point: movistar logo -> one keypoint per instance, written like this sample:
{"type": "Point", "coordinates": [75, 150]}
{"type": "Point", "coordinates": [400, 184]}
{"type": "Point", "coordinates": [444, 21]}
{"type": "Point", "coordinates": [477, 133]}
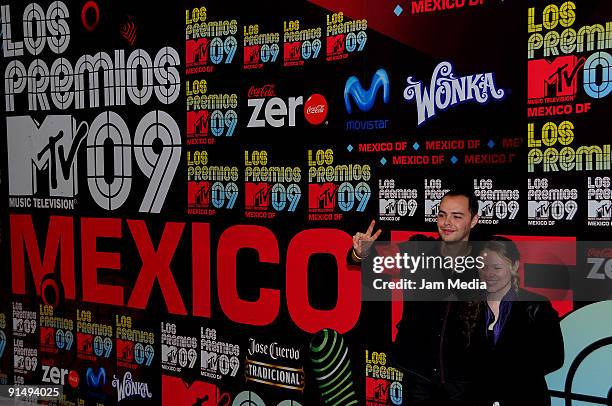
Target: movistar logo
{"type": "Point", "coordinates": [365, 99]}
{"type": "Point", "coordinates": [96, 380]}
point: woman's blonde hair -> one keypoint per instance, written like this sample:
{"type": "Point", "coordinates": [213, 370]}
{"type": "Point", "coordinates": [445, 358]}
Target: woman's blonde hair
{"type": "Point", "coordinates": [506, 248]}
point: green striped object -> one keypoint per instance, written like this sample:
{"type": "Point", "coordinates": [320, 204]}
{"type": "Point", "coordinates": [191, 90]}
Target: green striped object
{"type": "Point", "coordinates": [332, 368]}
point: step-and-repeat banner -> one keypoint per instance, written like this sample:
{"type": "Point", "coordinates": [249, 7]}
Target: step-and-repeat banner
{"type": "Point", "coordinates": [181, 182]}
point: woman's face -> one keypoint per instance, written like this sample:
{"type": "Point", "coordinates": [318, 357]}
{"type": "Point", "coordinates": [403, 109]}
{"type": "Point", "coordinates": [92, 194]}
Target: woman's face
{"type": "Point", "coordinates": [497, 271]}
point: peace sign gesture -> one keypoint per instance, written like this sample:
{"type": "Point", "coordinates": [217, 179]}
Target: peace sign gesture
{"type": "Point", "coordinates": [358, 238]}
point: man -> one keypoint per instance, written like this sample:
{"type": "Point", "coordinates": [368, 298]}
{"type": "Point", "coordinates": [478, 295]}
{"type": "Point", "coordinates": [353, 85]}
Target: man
{"type": "Point", "coordinates": [457, 216]}
{"type": "Point", "coordinates": [434, 344]}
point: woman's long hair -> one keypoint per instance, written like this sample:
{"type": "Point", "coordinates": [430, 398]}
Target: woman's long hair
{"type": "Point", "coordinates": [471, 310]}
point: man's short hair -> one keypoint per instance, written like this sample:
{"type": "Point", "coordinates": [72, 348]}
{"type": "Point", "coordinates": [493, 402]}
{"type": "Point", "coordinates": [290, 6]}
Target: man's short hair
{"type": "Point", "coordinates": [469, 194]}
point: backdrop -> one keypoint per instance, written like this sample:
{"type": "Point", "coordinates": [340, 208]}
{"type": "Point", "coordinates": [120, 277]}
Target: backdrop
{"type": "Point", "coordinates": [181, 182]}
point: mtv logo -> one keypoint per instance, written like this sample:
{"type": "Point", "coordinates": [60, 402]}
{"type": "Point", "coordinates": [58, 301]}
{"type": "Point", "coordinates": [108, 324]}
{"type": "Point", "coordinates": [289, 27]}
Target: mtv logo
{"type": "Point", "coordinates": [335, 44]}
{"type": "Point", "coordinates": [18, 361]}
{"type": "Point", "coordinates": [600, 209]}
{"type": "Point", "coordinates": [252, 54]}
{"type": "Point", "coordinates": [37, 148]}
{"type": "Point", "coordinates": [486, 208]}
{"type": "Point", "coordinates": [556, 78]}
{"type": "Point", "coordinates": [197, 123]}
{"type": "Point", "coordinates": [196, 51]}
{"type": "Point", "coordinates": [125, 350]}
{"type": "Point", "coordinates": [292, 51]}
{"type": "Point", "coordinates": [387, 207]}
{"type": "Point", "coordinates": [175, 391]}
{"type": "Point", "coordinates": [257, 195]}
{"type": "Point", "coordinates": [198, 194]}
{"type": "Point", "coordinates": [538, 210]}
{"type": "Point", "coordinates": [322, 196]}
{"type": "Point", "coordinates": [209, 360]}
{"type": "Point", "coordinates": [432, 207]}
{"type": "Point", "coordinates": [169, 354]}
{"type": "Point", "coordinates": [47, 336]}
{"type": "Point", "coordinates": [85, 343]}
{"type": "Point", "coordinates": [543, 210]}
{"type": "Point", "coordinates": [18, 325]}
{"type": "Point", "coordinates": [377, 392]}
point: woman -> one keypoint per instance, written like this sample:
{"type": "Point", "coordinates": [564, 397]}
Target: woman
{"type": "Point", "coordinates": [522, 330]}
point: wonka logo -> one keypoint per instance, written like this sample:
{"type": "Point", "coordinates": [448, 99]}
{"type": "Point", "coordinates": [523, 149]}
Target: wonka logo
{"type": "Point", "coordinates": [446, 90]}
{"type": "Point", "coordinates": [128, 388]}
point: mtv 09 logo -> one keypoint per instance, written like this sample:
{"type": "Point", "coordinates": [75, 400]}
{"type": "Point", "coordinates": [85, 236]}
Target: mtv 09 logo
{"type": "Point", "coordinates": [209, 114]}
{"type": "Point", "coordinates": [133, 345]}
{"type": "Point", "coordinates": [51, 146]}
{"type": "Point", "coordinates": [394, 204]}
{"type": "Point", "coordinates": [344, 37]}
{"type": "Point", "coordinates": [599, 196]}
{"type": "Point", "coordinates": [209, 43]}
{"type": "Point", "coordinates": [25, 360]}
{"type": "Point", "coordinates": [177, 351]}
{"type": "Point", "coordinates": [210, 186]}
{"type": "Point", "coordinates": [495, 205]}
{"type": "Point", "coordinates": [218, 359]}
{"type": "Point", "coordinates": [261, 193]}
{"type": "Point", "coordinates": [259, 48]}
{"type": "Point", "coordinates": [547, 205]}
{"type": "Point", "coordinates": [325, 190]}
{"type": "Point", "coordinates": [300, 44]}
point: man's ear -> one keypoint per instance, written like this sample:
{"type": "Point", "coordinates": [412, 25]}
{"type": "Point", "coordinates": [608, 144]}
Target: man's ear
{"type": "Point", "coordinates": [515, 266]}
{"type": "Point", "coordinates": [475, 219]}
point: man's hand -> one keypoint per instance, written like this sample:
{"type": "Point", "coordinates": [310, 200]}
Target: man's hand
{"type": "Point", "coordinates": [358, 238]}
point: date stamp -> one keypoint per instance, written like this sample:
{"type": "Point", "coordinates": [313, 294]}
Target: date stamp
{"type": "Point", "coordinates": [31, 392]}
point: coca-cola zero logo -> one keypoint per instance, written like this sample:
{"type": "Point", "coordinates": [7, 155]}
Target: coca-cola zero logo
{"type": "Point", "coordinates": [263, 91]}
